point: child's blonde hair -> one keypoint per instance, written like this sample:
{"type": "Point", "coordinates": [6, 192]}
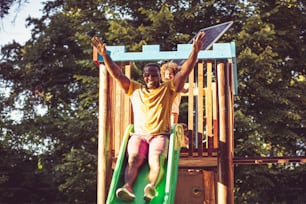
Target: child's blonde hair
{"type": "Point", "coordinates": [170, 66]}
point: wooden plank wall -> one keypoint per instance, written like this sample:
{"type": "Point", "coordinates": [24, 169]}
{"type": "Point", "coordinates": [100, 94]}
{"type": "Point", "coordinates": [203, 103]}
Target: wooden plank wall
{"type": "Point", "coordinates": [121, 116]}
{"type": "Point", "coordinates": [202, 110]}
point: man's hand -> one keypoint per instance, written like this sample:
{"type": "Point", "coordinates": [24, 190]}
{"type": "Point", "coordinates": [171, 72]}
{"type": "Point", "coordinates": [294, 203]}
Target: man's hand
{"type": "Point", "coordinates": [99, 45]}
{"type": "Point", "coordinates": [198, 42]}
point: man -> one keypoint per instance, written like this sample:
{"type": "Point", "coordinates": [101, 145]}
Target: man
{"type": "Point", "coordinates": [152, 104]}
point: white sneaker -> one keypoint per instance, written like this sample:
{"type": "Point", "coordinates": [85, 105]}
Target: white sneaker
{"type": "Point", "coordinates": [124, 194]}
{"type": "Point", "coordinates": [149, 192]}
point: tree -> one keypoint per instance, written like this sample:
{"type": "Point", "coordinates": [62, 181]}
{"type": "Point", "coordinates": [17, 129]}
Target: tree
{"type": "Point", "coordinates": [51, 83]}
{"type": "Point", "coordinates": [45, 73]}
{"type": "Point", "coordinates": [270, 103]}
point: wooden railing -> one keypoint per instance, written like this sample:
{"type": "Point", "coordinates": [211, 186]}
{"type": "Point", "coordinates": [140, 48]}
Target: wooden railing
{"type": "Point", "coordinates": [204, 113]}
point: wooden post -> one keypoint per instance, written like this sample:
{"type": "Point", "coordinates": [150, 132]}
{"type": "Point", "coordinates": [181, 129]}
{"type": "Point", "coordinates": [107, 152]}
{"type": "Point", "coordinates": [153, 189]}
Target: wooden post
{"type": "Point", "coordinates": [190, 112]}
{"type": "Point", "coordinates": [225, 168]}
{"type": "Point", "coordinates": [209, 186]}
{"type": "Point", "coordinates": [215, 116]}
{"type": "Point", "coordinates": [209, 134]}
{"type": "Point", "coordinates": [230, 131]}
{"type": "Point", "coordinates": [200, 111]}
{"type": "Point", "coordinates": [119, 130]}
{"type": "Point", "coordinates": [102, 156]}
{"type": "Point", "coordinates": [127, 105]}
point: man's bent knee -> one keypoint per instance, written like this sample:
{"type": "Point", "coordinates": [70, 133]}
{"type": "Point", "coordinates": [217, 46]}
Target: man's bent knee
{"type": "Point", "coordinates": [135, 160]}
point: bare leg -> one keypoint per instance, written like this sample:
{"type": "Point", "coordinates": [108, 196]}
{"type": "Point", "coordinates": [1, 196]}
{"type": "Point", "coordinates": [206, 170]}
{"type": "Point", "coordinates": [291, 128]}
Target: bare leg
{"type": "Point", "coordinates": [157, 154]}
{"type": "Point", "coordinates": [125, 193]}
{"type": "Point", "coordinates": [131, 170]}
{"type": "Point", "coordinates": [137, 153]}
{"type": "Point", "coordinates": [156, 163]}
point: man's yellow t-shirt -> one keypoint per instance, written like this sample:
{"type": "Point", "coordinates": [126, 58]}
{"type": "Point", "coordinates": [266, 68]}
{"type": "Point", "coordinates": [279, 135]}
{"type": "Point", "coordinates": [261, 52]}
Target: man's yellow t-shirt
{"type": "Point", "coordinates": [152, 108]}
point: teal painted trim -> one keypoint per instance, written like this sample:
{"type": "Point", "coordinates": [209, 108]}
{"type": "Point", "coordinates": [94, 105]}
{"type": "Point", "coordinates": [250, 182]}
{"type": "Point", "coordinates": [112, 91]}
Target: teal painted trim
{"type": "Point", "coordinates": [235, 72]}
{"type": "Point", "coordinates": [153, 53]}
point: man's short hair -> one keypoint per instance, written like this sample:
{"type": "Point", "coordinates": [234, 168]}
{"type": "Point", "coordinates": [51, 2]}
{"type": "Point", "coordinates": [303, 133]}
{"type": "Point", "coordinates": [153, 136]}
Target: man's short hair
{"type": "Point", "coordinates": [152, 65]}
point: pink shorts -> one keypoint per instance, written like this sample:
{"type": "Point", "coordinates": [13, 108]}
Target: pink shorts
{"type": "Point", "coordinates": [146, 146]}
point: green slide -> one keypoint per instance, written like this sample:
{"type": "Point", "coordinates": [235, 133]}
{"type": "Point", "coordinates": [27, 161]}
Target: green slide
{"type": "Point", "coordinates": [166, 189]}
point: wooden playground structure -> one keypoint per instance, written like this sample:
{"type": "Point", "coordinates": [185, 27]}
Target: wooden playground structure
{"type": "Point", "coordinates": [206, 173]}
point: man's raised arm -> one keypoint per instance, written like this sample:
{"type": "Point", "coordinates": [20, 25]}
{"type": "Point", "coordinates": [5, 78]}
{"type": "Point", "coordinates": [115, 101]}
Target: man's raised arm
{"type": "Point", "coordinates": [181, 77]}
{"type": "Point", "coordinates": [114, 70]}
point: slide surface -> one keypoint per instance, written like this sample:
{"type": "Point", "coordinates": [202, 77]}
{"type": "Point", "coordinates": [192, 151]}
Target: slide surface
{"type": "Point", "coordinates": [166, 189]}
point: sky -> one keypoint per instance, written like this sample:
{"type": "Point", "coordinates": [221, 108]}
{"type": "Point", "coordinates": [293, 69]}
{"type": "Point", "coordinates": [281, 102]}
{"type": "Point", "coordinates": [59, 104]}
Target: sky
{"type": "Point", "coordinates": [13, 26]}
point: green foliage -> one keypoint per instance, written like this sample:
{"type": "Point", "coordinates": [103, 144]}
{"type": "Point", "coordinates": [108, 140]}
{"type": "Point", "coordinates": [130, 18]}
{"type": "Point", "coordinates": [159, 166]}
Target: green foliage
{"type": "Point", "coordinates": [270, 183]}
{"type": "Point", "coordinates": [20, 180]}
{"type": "Point", "coordinates": [266, 75]}
{"type": "Point", "coordinates": [49, 153]}
{"type": "Point", "coordinates": [270, 109]}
